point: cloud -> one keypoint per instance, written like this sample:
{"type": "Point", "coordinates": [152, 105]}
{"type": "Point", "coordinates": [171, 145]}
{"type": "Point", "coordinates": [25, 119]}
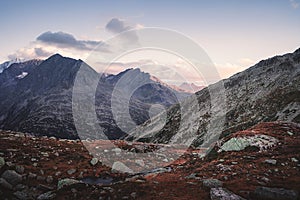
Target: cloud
{"type": "Point", "coordinates": [294, 3]}
{"type": "Point", "coordinates": [228, 69]}
{"type": "Point", "coordinates": [40, 52]}
{"type": "Point", "coordinates": [116, 25]}
{"type": "Point", "coordinates": [66, 40]}
{"type": "Point", "coordinates": [23, 54]}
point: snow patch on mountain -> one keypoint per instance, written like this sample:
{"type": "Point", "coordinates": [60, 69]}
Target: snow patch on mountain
{"type": "Point", "coordinates": [7, 64]}
{"type": "Point", "coordinates": [22, 75]}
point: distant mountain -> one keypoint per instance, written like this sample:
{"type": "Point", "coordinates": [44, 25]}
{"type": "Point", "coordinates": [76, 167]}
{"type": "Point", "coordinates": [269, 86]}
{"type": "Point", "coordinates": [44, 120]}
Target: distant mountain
{"type": "Point", "coordinates": [190, 87]}
{"type": "Point", "coordinates": [15, 71]}
{"type": "Point", "coordinates": [36, 97]}
{"type": "Point", "coordinates": [267, 91]}
{"type": "Point", "coordinates": [7, 64]}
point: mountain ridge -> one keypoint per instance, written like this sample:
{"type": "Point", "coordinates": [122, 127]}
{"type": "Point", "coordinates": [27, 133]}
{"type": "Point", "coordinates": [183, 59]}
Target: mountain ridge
{"type": "Point", "coordinates": [267, 91]}
{"type": "Point", "coordinates": [41, 102]}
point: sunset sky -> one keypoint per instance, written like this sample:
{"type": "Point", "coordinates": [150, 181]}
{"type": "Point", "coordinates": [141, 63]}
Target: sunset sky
{"type": "Point", "coordinates": [234, 33]}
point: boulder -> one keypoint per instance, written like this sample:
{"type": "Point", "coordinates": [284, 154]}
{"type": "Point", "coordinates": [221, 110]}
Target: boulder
{"type": "Point", "coordinates": [71, 171]}
{"type": "Point", "coordinates": [2, 162]}
{"type": "Point", "coordinates": [223, 194]}
{"type": "Point", "coordinates": [66, 182]}
{"type": "Point", "coordinates": [274, 193]}
{"type": "Point", "coordinates": [47, 196]}
{"type": "Point", "coordinates": [212, 183]}
{"type": "Point", "coordinates": [12, 177]}
{"type": "Point", "coordinates": [94, 161]}
{"type": "Point", "coordinates": [121, 167]}
{"type": "Point", "coordinates": [20, 169]}
{"type": "Point", "coordinates": [21, 195]}
{"type": "Point", "coordinates": [271, 161]}
{"type": "Point", "coordinates": [4, 184]}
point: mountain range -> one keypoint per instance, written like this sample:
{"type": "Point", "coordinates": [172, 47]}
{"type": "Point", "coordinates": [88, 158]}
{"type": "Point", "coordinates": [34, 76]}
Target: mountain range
{"type": "Point", "coordinates": [36, 97]}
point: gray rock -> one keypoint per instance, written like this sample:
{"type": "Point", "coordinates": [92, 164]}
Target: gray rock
{"type": "Point", "coordinates": [274, 193]}
{"type": "Point", "coordinates": [80, 176]}
{"type": "Point", "coordinates": [31, 175]}
{"type": "Point", "coordinates": [20, 187]}
{"type": "Point", "coordinates": [21, 195]}
{"type": "Point", "coordinates": [94, 161]}
{"type": "Point", "coordinates": [71, 171]}
{"type": "Point", "coordinates": [58, 173]}
{"type": "Point", "coordinates": [47, 196]}
{"type": "Point", "coordinates": [2, 162]}
{"type": "Point", "coordinates": [223, 194]}
{"type": "Point", "coordinates": [20, 169]}
{"type": "Point", "coordinates": [49, 179]}
{"type": "Point", "coordinates": [192, 176]}
{"type": "Point", "coordinates": [133, 195]}
{"type": "Point", "coordinates": [271, 161]}
{"type": "Point", "coordinates": [294, 159]}
{"type": "Point", "coordinates": [66, 182]}
{"type": "Point", "coordinates": [212, 183]}
{"type": "Point", "coordinates": [110, 189]}
{"type": "Point", "coordinates": [12, 177]}
{"type": "Point", "coordinates": [10, 164]}
{"type": "Point", "coordinates": [40, 178]}
{"type": "Point", "coordinates": [121, 167]}
{"type": "Point", "coordinates": [5, 184]}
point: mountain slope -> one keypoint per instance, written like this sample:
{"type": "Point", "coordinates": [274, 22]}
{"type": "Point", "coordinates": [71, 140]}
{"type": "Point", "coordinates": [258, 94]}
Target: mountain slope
{"type": "Point", "coordinates": [7, 64]}
{"type": "Point", "coordinates": [268, 91]}
{"type": "Point", "coordinates": [250, 173]}
{"type": "Point", "coordinates": [41, 101]}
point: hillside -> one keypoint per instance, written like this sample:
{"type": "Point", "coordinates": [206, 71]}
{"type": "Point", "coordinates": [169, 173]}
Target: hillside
{"type": "Point", "coordinates": [47, 168]}
{"type": "Point", "coordinates": [267, 91]}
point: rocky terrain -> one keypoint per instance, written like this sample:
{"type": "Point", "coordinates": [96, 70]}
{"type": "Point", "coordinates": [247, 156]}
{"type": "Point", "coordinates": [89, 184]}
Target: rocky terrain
{"type": "Point", "coordinates": [267, 91]}
{"type": "Point", "coordinates": [259, 163]}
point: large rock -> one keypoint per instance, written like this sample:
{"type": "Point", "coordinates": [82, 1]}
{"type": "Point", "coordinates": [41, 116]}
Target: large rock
{"type": "Point", "coordinates": [120, 167]}
{"type": "Point", "coordinates": [5, 184]}
{"type": "Point", "coordinates": [20, 169]}
{"type": "Point", "coordinates": [94, 161]}
{"type": "Point", "coordinates": [270, 161]}
{"type": "Point", "coordinates": [212, 183]}
{"type": "Point", "coordinates": [274, 194]}
{"type": "Point", "coordinates": [12, 177]}
{"type": "Point", "coordinates": [66, 182]}
{"type": "Point", "coordinates": [223, 194]}
{"type": "Point", "coordinates": [21, 195]}
{"type": "Point", "coordinates": [240, 143]}
{"type": "Point", "coordinates": [47, 196]}
{"type": "Point", "coordinates": [2, 162]}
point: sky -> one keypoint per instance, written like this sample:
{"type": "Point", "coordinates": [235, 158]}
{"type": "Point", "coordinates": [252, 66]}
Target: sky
{"type": "Point", "coordinates": [235, 34]}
